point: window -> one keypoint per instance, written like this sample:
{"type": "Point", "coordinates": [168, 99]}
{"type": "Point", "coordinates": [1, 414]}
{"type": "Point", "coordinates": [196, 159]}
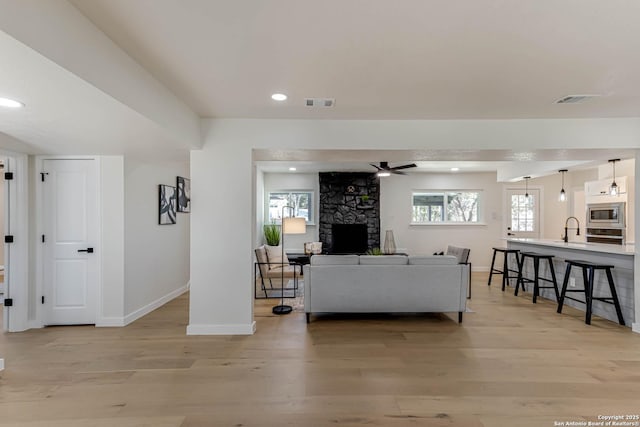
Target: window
{"type": "Point", "coordinates": [301, 201]}
{"type": "Point", "coordinates": [445, 207]}
{"type": "Point", "coordinates": [523, 212]}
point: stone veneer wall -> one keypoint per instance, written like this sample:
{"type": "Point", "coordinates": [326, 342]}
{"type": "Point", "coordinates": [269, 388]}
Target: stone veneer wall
{"type": "Point", "coordinates": [341, 203]}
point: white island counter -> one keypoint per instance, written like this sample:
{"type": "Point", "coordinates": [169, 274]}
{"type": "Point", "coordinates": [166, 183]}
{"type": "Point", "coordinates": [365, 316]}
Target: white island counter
{"type": "Point", "coordinates": [621, 257]}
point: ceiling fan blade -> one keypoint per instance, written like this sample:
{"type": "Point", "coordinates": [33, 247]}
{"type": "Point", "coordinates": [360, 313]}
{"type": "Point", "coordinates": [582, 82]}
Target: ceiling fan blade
{"type": "Point", "coordinates": [396, 172]}
{"type": "Point", "coordinates": [375, 166]}
{"type": "Point", "coordinates": [412, 165]}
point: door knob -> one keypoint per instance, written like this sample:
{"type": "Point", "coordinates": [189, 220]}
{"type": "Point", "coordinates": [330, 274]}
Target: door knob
{"type": "Point", "coordinates": [510, 234]}
{"type": "Point", "coordinates": [88, 250]}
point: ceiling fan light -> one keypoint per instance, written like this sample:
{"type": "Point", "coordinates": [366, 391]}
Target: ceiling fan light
{"type": "Point", "coordinates": [384, 173]}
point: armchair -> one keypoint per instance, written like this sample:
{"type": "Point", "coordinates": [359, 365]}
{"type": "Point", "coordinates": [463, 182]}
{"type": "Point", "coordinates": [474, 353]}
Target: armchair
{"type": "Point", "coordinates": [267, 271]}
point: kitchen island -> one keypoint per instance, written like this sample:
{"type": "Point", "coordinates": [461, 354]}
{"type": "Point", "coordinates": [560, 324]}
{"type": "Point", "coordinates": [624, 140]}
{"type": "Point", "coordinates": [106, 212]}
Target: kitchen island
{"type": "Point", "coordinates": [620, 256]}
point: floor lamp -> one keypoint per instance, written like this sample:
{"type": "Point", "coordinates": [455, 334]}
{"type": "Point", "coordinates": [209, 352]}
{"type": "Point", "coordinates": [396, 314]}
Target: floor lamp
{"type": "Point", "coordinates": [290, 225]}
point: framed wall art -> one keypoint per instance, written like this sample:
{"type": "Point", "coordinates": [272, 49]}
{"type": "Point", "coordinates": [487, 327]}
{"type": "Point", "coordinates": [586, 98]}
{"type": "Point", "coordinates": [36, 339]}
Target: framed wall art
{"type": "Point", "coordinates": [184, 194]}
{"type": "Point", "coordinates": [167, 204]}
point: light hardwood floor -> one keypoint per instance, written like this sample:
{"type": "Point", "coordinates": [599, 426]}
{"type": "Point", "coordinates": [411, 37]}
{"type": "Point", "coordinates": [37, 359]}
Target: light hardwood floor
{"type": "Point", "coordinates": [510, 363]}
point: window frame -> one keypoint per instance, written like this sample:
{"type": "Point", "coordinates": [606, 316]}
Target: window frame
{"type": "Point", "coordinates": [310, 220]}
{"type": "Point", "coordinates": [444, 193]}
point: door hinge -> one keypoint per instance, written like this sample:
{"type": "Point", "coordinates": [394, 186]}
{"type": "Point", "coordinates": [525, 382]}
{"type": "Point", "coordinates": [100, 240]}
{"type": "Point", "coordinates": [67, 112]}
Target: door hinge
{"type": "Point", "coordinates": [8, 238]}
{"type": "Point", "coordinates": [8, 176]}
{"type": "Point", "coordinates": [8, 302]}
{"type": "Point", "coordinates": [42, 174]}
{"type": "Point", "coordinates": [42, 299]}
{"type": "Point", "coordinates": [43, 238]}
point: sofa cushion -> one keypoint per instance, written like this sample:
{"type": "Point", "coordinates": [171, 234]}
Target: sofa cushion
{"type": "Point", "coordinates": [274, 257]}
{"type": "Point", "coordinates": [462, 254]}
{"type": "Point", "coordinates": [383, 260]}
{"type": "Point", "coordinates": [432, 260]}
{"type": "Point", "coordinates": [335, 260]}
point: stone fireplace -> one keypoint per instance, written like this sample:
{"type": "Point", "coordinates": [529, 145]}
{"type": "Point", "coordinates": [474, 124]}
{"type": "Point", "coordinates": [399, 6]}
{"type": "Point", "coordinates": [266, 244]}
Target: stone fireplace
{"type": "Point", "coordinates": [349, 198]}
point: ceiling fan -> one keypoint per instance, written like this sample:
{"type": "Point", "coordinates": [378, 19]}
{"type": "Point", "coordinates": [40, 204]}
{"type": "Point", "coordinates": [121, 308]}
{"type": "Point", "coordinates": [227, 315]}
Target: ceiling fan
{"type": "Point", "coordinates": [385, 170]}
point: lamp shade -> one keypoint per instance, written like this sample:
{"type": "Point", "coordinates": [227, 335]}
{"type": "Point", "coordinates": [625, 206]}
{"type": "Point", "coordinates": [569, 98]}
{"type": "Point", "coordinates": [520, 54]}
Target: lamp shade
{"type": "Point", "coordinates": [294, 225]}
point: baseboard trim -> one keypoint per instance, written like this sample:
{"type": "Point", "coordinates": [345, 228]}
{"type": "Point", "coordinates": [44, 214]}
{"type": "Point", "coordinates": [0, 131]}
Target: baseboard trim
{"type": "Point", "coordinates": [235, 329]}
{"type": "Point", "coordinates": [143, 311]}
{"type": "Point", "coordinates": [635, 327]}
{"type": "Point", "coordinates": [110, 322]}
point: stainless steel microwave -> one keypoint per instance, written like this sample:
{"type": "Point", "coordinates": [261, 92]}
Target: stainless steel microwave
{"type": "Point", "coordinates": [605, 215]}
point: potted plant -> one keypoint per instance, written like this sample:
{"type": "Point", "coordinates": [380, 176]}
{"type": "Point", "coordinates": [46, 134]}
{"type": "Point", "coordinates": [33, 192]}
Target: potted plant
{"type": "Point", "coordinates": [374, 251]}
{"type": "Point", "coordinates": [364, 199]}
{"type": "Point", "coordinates": [272, 234]}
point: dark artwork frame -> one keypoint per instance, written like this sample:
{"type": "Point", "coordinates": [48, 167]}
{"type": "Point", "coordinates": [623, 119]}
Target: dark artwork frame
{"type": "Point", "coordinates": [184, 194]}
{"type": "Point", "coordinates": [167, 197]}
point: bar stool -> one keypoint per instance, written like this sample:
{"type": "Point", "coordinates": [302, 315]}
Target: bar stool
{"type": "Point", "coordinates": [588, 270]}
{"type": "Point", "coordinates": [505, 266]}
{"type": "Point", "coordinates": [536, 257]}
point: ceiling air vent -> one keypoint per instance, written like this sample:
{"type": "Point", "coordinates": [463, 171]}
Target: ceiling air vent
{"type": "Point", "coordinates": [574, 99]}
{"type": "Point", "coordinates": [320, 102]}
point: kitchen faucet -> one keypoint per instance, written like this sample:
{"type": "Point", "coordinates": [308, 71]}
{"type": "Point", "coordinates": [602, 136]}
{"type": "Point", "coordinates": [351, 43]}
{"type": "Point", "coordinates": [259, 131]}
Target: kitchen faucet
{"type": "Point", "coordinates": [566, 229]}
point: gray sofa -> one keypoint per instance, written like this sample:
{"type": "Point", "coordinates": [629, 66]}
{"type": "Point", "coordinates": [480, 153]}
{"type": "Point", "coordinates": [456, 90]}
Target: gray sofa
{"type": "Point", "coordinates": [385, 284]}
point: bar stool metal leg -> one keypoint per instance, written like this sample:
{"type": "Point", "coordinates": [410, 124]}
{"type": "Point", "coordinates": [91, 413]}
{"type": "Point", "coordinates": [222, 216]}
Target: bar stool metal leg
{"type": "Point", "coordinates": [555, 282]}
{"type": "Point", "coordinates": [565, 283]}
{"type": "Point", "coordinates": [614, 294]}
{"type": "Point", "coordinates": [493, 261]}
{"type": "Point", "coordinates": [536, 276]}
{"type": "Point", "coordinates": [520, 280]}
{"type": "Point", "coordinates": [588, 288]}
{"type": "Point", "coordinates": [505, 271]}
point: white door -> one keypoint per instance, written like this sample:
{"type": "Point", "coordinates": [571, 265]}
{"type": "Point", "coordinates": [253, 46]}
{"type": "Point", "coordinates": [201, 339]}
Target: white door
{"type": "Point", "coordinates": [70, 241]}
{"type": "Point", "coordinates": [523, 213]}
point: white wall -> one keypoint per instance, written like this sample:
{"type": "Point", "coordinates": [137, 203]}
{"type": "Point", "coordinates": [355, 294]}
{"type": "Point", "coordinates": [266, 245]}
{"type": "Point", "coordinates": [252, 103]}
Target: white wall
{"type": "Point", "coordinates": [222, 239]}
{"type": "Point", "coordinates": [111, 310]}
{"type": "Point", "coordinates": [295, 181]}
{"type": "Point", "coordinates": [259, 207]}
{"type": "Point", "coordinates": [395, 214]}
{"type": "Point", "coordinates": [156, 256]}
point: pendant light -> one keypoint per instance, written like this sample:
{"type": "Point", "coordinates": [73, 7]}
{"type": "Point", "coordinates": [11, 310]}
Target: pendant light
{"type": "Point", "coordinates": [613, 188]}
{"type": "Point", "coordinates": [563, 195]}
{"type": "Point", "coordinates": [526, 186]}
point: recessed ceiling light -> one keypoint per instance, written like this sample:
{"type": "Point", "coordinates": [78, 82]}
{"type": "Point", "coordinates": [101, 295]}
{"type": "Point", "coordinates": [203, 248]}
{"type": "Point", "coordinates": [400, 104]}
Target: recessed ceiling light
{"type": "Point", "coordinates": [10, 103]}
{"type": "Point", "coordinates": [455, 169]}
{"type": "Point", "coordinates": [279, 97]}
{"type": "Point", "coordinates": [292, 169]}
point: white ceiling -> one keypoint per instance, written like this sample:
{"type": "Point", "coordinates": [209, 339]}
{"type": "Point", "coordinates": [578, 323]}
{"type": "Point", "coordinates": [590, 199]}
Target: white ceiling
{"type": "Point", "coordinates": [509, 165]}
{"type": "Point", "coordinates": [93, 72]}
{"type": "Point", "coordinates": [65, 114]}
{"type": "Point", "coordinates": [381, 59]}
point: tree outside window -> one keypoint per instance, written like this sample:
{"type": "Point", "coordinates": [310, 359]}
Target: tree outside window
{"type": "Point", "coordinates": [445, 207]}
{"type": "Point", "coordinates": [301, 201]}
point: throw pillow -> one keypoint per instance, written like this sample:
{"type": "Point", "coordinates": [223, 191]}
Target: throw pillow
{"type": "Point", "coordinates": [274, 257]}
